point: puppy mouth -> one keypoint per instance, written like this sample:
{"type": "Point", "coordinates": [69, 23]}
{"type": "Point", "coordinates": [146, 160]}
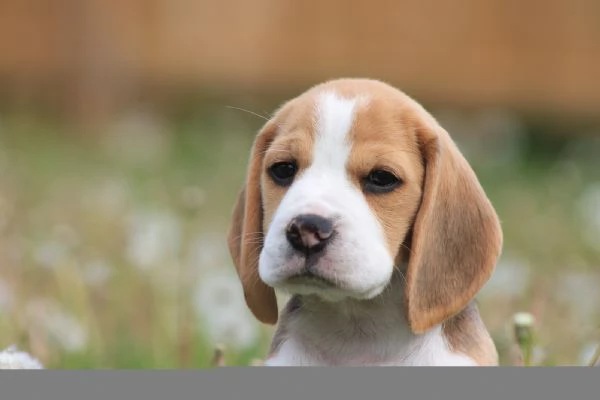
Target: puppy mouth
{"type": "Point", "coordinates": [311, 279]}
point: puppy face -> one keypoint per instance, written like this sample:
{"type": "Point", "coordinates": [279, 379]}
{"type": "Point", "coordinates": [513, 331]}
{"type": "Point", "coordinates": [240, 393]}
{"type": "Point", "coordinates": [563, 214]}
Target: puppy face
{"type": "Point", "coordinates": [345, 183]}
{"type": "Point", "coordinates": [340, 186]}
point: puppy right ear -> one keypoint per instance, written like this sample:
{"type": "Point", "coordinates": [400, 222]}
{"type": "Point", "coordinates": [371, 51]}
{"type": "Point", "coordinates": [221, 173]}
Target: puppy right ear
{"type": "Point", "coordinates": [457, 237]}
{"type": "Point", "coordinates": [245, 236]}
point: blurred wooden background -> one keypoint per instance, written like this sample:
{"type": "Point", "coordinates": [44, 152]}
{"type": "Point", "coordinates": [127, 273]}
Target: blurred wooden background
{"type": "Point", "coordinates": [93, 56]}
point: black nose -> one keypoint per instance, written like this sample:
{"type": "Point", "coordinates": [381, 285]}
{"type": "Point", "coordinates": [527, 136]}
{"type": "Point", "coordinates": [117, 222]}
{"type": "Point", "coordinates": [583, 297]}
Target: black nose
{"type": "Point", "coordinates": [309, 233]}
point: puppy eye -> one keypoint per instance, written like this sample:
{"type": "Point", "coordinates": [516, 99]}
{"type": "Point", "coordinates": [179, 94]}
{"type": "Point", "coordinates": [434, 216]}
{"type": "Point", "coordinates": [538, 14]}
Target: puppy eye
{"type": "Point", "coordinates": [380, 181]}
{"type": "Point", "coordinates": [283, 173]}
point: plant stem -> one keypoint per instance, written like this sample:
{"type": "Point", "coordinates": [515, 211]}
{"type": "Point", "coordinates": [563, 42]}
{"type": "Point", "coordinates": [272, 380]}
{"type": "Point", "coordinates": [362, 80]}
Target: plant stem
{"type": "Point", "coordinates": [595, 358]}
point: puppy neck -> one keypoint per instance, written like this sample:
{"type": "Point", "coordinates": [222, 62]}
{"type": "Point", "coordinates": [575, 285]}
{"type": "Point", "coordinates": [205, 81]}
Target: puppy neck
{"type": "Point", "coordinates": [367, 318]}
{"type": "Point", "coordinates": [313, 331]}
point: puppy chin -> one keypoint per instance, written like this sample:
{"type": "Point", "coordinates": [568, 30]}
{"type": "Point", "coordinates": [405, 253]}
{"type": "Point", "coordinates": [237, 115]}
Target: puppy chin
{"type": "Point", "coordinates": [284, 277]}
{"type": "Point", "coordinates": [330, 294]}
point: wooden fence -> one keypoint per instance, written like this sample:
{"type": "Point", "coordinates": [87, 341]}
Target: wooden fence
{"type": "Point", "coordinates": [93, 54]}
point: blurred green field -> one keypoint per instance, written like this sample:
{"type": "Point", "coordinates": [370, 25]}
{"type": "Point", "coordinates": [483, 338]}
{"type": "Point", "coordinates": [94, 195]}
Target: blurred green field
{"type": "Point", "coordinates": [112, 250]}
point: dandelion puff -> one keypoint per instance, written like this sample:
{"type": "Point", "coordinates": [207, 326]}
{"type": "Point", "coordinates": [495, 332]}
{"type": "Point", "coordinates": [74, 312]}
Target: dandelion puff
{"type": "Point", "coordinates": [13, 358]}
{"type": "Point", "coordinates": [523, 325]}
{"type": "Point", "coordinates": [510, 278]}
{"type": "Point", "coordinates": [96, 272]}
{"type": "Point", "coordinates": [579, 291]}
{"type": "Point", "coordinates": [588, 352]}
{"type": "Point", "coordinates": [220, 306]}
{"type": "Point", "coordinates": [107, 197]}
{"type": "Point", "coordinates": [154, 238]}
{"type": "Point", "coordinates": [58, 324]}
{"type": "Point", "coordinates": [51, 253]}
{"type": "Point", "coordinates": [207, 251]}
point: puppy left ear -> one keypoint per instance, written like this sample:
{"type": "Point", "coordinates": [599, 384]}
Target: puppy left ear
{"type": "Point", "coordinates": [456, 236]}
{"type": "Point", "coordinates": [245, 236]}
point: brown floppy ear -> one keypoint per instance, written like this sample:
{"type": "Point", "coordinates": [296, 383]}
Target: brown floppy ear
{"type": "Point", "coordinates": [245, 236]}
{"type": "Point", "coordinates": [456, 236]}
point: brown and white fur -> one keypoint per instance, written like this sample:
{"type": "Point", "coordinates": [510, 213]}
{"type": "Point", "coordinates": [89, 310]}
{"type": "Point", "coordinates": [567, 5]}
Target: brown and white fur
{"type": "Point", "coordinates": [359, 204]}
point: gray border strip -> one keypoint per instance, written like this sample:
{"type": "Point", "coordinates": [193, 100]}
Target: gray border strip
{"type": "Point", "coordinates": [306, 383]}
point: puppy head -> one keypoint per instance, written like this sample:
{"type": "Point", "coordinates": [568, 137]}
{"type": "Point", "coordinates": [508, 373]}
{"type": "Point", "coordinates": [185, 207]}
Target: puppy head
{"type": "Point", "coordinates": [349, 181]}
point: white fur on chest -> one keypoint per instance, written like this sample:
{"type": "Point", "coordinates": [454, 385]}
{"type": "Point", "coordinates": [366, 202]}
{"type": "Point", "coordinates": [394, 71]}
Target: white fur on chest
{"type": "Point", "coordinates": [427, 351]}
{"type": "Point", "coordinates": [361, 333]}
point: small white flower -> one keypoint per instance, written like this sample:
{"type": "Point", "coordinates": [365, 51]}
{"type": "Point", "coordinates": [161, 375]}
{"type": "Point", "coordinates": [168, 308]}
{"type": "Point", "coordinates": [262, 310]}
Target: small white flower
{"type": "Point", "coordinates": [61, 326]}
{"type": "Point", "coordinates": [588, 351]}
{"type": "Point", "coordinates": [208, 251]}
{"type": "Point", "coordinates": [221, 308]}
{"type": "Point", "coordinates": [12, 358]}
{"type": "Point", "coordinates": [96, 272]}
{"type": "Point", "coordinates": [510, 278]}
{"type": "Point", "coordinates": [107, 197]}
{"type": "Point", "coordinates": [154, 238]}
{"type": "Point", "coordinates": [523, 319]}
{"type": "Point", "coordinates": [579, 291]}
{"type": "Point", "coordinates": [49, 254]}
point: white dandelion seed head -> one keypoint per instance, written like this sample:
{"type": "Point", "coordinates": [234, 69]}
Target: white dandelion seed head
{"type": "Point", "coordinates": [523, 319]}
{"type": "Point", "coordinates": [154, 238]}
{"type": "Point", "coordinates": [109, 196]}
{"type": "Point", "coordinates": [13, 358]}
{"type": "Point", "coordinates": [578, 290]}
{"type": "Point", "coordinates": [51, 253]}
{"type": "Point", "coordinates": [61, 326]}
{"type": "Point", "coordinates": [587, 352]}
{"type": "Point", "coordinates": [97, 272]}
{"type": "Point", "coordinates": [222, 311]}
{"type": "Point", "coordinates": [510, 278]}
{"type": "Point", "coordinates": [207, 251]}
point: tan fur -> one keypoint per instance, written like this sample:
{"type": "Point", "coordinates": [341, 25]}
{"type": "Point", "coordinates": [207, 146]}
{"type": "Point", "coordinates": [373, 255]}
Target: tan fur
{"type": "Point", "coordinates": [287, 134]}
{"type": "Point", "coordinates": [467, 334]}
{"type": "Point", "coordinates": [245, 235]}
{"type": "Point", "coordinates": [294, 141]}
{"type": "Point", "coordinates": [456, 235]}
{"type": "Point", "coordinates": [441, 212]}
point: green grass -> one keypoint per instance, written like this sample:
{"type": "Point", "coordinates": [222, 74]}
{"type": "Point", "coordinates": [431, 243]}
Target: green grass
{"type": "Point", "coordinates": [56, 187]}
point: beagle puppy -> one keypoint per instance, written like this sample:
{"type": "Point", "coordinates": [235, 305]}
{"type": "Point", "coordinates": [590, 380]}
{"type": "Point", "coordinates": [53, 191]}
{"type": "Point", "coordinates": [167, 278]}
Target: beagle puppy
{"type": "Point", "coordinates": [360, 206]}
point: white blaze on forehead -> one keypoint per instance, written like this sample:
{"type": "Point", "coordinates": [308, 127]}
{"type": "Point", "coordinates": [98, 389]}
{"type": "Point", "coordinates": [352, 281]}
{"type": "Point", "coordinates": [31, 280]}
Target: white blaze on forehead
{"type": "Point", "coordinates": [334, 117]}
{"type": "Point", "coordinates": [359, 259]}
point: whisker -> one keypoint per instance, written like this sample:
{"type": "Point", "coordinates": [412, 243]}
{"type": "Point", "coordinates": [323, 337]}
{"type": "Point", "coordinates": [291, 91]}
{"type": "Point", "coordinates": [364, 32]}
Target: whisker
{"type": "Point", "coordinates": [248, 235]}
{"type": "Point", "coordinates": [249, 112]}
{"type": "Point", "coordinates": [406, 247]}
